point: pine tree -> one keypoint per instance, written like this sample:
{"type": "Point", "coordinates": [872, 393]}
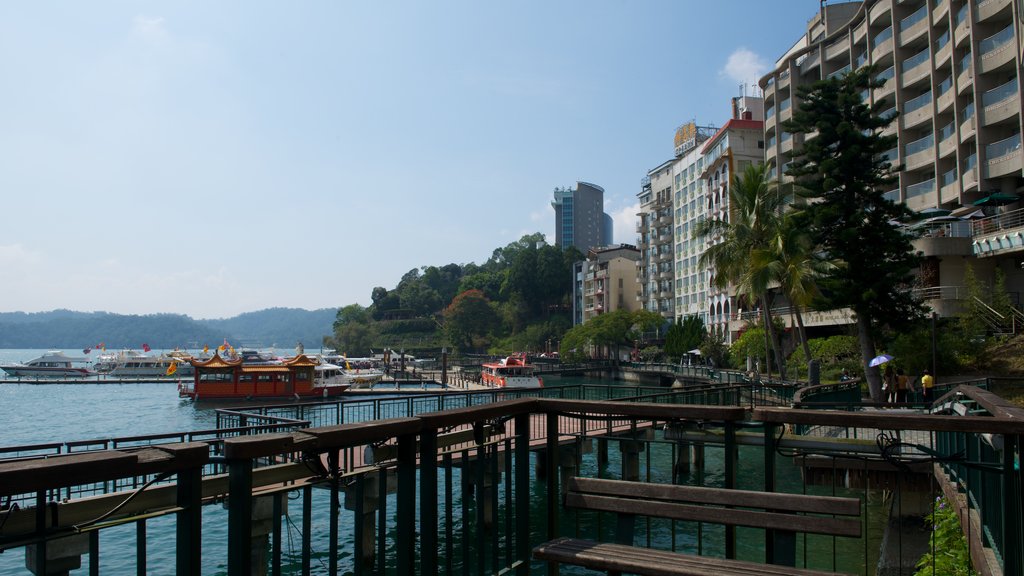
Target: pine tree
{"type": "Point", "coordinates": [843, 175]}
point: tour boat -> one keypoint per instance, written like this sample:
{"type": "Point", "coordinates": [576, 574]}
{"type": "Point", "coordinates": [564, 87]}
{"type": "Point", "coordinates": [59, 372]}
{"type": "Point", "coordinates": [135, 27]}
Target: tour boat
{"type": "Point", "coordinates": [358, 372]}
{"type": "Point", "coordinates": [510, 372]}
{"type": "Point", "coordinates": [134, 364]}
{"type": "Point", "coordinates": [53, 364]}
{"type": "Point", "coordinates": [234, 378]}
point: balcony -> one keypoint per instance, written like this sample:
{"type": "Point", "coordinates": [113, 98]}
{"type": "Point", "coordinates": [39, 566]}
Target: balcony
{"type": "Point", "coordinates": [881, 44]}
{"type": "Point", "coordinates": [917, 110]}
{"type": "Point", "coordinates": [967, 124]}
{"type": "Point", "coordinates": [997, 50]}
{"type": "Point", "coordinates": [989, 8]}
{"type": "Point", "coordinates": [969, 176]}
{"type": "Point", "coordinates": [947, 140]}
{"type": "Point", "coordinates": [837, 49]}
{"type": "Point", "coordinates": [998, 234]}
{"type": "Point", "coordinates": [919, 153]}
{"type": "Point", "coordinates": [879, 10]}
{"type": "Point", "coordinates": [949, 190]}
{"type": "Point", "coordinates": [944, 95]}
{"type": "Point", "coordinates": [1001, 103]}
{"type": "Point", "coordinates": [1003, 157]}
{"type": "Point", "coordinates": [961, 25]}
{"type": "Point", "coordinates": [914, 26]}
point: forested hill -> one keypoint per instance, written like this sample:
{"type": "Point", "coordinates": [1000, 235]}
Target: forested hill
{"type": "Point", "coordinates": [278, 327]}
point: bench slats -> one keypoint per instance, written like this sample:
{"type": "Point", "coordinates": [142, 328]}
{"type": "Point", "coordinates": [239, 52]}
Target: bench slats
{"type": "Point", "coordinates": [649, 562]}
{"type": "Point", "coordinates": [716, 515]}
{"type": "Point", "coordinates": [718, 496]}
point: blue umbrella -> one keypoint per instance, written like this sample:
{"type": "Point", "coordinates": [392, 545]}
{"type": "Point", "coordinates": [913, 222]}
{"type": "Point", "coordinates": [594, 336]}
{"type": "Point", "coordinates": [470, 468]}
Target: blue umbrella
{"type": "Point", "coordinates": [879, 360]}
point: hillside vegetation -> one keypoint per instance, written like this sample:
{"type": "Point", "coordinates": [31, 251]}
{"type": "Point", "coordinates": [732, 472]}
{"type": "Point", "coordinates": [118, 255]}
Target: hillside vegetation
{"type": "Point", "coordinates": [281, 327]}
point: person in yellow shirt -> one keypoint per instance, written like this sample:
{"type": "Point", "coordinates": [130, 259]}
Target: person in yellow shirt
{"type": "Point", "coordinates": [927, 383]}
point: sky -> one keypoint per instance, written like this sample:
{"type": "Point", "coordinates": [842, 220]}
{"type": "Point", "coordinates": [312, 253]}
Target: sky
{"type": "Point", "coordinates": [214, 158]}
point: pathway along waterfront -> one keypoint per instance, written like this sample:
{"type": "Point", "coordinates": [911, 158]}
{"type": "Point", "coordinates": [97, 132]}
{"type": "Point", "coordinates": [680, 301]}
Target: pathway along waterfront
{"type": "Point", "coordinates": [480, 517]}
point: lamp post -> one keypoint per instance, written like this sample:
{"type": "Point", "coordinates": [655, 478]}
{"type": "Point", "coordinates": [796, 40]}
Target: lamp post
{"type": "Point", "coordinates": [444, 367]}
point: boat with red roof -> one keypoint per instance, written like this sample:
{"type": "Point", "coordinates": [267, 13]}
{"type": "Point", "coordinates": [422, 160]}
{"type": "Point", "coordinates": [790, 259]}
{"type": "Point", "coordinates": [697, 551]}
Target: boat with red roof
{"type": "Point", "coordinates": [234, 378]}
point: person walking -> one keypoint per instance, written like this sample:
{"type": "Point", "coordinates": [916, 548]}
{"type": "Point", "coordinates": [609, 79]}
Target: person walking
{"type": "Point", "coordinates": [903, 386]}
{"type": "Point", "coordinates": [927, 383]}
{"type": "Point", "coordinates": [889, 384]}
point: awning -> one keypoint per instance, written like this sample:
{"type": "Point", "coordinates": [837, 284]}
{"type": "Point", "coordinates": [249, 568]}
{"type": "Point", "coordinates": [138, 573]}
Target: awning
{"type": "Point", "coordinates": [997, 199]}
{"type": "Point", "coordinates": [932, 213]}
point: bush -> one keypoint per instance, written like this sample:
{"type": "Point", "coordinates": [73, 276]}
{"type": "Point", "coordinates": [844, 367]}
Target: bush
{"type": "Point", "coordinates": [835, 353]}
{"type": "Point", "coordinates": [949, 555]}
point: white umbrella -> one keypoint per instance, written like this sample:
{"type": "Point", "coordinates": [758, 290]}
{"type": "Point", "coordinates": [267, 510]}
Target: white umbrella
{"type": "Point", "coordinates": [879, 360]}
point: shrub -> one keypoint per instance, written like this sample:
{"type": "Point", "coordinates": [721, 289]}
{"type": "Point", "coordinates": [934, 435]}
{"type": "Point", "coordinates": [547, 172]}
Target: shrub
{"type": "Point", "coordinates": [949, 554]}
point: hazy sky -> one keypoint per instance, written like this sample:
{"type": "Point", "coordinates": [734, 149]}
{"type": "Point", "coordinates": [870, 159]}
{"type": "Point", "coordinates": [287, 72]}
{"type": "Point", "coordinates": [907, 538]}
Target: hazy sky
{"type": "Point", "coordinates": [213, 158]}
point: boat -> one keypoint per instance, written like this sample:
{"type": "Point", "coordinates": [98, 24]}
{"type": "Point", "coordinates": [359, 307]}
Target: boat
{"type": "Point", "coordinates": [53, 364]}
{"type": "Point", "coordinates": [510, 372]}
{"type": "Point", "coordinates": [358, 372]}
{"type": "Point", "coordinates": [130, 363]}
{"type": "Point", "coordinates": [258, 378]}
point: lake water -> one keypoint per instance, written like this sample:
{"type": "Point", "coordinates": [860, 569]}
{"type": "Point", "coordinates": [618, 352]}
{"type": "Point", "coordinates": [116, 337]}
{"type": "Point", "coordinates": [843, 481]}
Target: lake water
{"type": "Point", "coordinates": [42, 413]}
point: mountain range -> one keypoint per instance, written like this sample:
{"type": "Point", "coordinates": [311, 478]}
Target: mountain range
{"type": "Point", "coordinates": [273, 327]}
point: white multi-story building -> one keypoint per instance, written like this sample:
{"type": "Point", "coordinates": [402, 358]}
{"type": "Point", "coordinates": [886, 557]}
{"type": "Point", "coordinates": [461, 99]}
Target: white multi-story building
{"type": "Point", "coordinates": [953, 72]}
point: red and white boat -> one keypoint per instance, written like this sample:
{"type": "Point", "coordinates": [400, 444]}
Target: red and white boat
{"type": "Point", "coordinates": [234, 378]}
{"type": "Point", "coordinates": [510, 372]}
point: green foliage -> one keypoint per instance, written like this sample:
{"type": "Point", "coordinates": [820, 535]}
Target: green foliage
{"type": "Point", "coordinates": [835, 354]}
{"type": "Point", "coordinates": [844, 174]}
{"type": "Point", "coordinates": [713, 348]}
{"type": "Point", "coordinates": [749, 344]}
{"type": "Point", "coordinates": [745, 257]}
{"type": "Point", "coordinates": [651, 354]}
{"type": "Point", "coordinates": [536, 337]}
{"type": "Point", "coordinates": [949, 554]}
{"type": "Point", "coordinates": [282, 327]}
{"type": "Point", "coordinates": [955, 349]}
{"type": "Point", "coordinates": [684, 336]}
{"type": "Point", "coordinates": [470, 316]}
{"type": "Point", "coordinates": [607, 334]}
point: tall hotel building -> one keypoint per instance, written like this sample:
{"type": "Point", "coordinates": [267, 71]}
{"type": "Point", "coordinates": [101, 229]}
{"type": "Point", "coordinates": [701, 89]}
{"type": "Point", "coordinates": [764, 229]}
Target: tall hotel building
{"type": "Point", "coordinates": [674, 197]}
{"type": "Point", "coordinates": [580, 220]}
{"type": "Point", "coordinates": [952, 71]}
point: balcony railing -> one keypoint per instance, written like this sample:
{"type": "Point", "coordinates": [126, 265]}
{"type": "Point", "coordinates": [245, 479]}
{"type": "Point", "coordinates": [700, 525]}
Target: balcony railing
{"type": "Point", "coordinates": [921, 188]}
{"type": "Point", "coordinates": [995, 41]}
{"type": "Point", "coordinates": [1003, 147]}
{"type": "Point", "coordinates": [999, 94]}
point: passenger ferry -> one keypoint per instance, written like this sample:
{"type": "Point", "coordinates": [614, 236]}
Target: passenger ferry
{"type": "Point", "coordinates": [233, 378]}
{"type": "Point", "coordinates": [53, 364]}
{"type": "Point", "coordinates": [510, 372]}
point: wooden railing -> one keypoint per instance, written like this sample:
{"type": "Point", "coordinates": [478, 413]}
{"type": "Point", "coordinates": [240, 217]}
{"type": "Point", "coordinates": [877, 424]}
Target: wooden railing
{"type": "Point", "coordinates": [403, 495]}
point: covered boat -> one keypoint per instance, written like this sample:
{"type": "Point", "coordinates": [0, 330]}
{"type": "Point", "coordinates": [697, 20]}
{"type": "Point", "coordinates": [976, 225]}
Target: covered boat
{"type": "Point", "coordinates": [226, 378]}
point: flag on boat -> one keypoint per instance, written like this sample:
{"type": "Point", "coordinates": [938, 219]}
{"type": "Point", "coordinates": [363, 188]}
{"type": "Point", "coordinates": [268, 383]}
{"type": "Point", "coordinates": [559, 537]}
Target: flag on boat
{"type": "Point", "coordinates": [206, 349]}
{"type": "Point", "coordinates": [145, 347]}
{"type": "Point", "coordinates": [172, 368]}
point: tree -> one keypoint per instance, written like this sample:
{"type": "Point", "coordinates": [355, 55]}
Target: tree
{"type": "Point", "coordinates": [744, 245]}
{"type": "Point", "coordinates": [470, 314]}
{"type": "Point", "coordinates": [351, 314]}
{"type": "Point", "coordinates": [797, 265]}
{"type": "Point", "coordinates": [844, 174]}
{"type": "Point", "coordinates": [684, 336]}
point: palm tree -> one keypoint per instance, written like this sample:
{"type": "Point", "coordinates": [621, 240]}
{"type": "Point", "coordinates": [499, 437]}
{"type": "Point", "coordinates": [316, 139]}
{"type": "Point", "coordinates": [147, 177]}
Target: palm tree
{"type": "Point", "coordinates": [744, 246]}
{"type": "Point", "coordinates": [796, 264]}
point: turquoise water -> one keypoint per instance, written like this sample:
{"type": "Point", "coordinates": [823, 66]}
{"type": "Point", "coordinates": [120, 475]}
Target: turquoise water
{"type": "Point", "coordinates": [40, 413]}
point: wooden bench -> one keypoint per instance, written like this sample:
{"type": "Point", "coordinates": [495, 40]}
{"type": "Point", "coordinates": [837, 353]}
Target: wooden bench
{"type": "Point", "coordinates": [781, 515]}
